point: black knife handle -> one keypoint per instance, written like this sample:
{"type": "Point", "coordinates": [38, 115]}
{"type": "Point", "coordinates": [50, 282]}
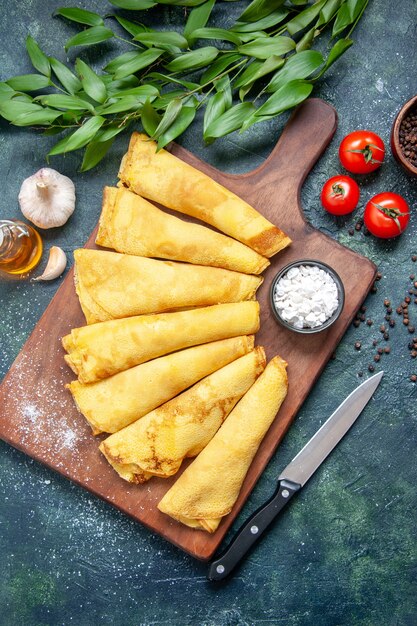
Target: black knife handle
{"type": "Point", "coordinates": [251, 530]}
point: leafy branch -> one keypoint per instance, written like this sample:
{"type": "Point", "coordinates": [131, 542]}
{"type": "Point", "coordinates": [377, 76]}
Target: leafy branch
{"type": "Point", "coordinates": [254, 71]}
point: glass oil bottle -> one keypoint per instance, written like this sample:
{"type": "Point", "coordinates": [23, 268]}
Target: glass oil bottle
{"type": "Point", "coordinates": [20, 248]}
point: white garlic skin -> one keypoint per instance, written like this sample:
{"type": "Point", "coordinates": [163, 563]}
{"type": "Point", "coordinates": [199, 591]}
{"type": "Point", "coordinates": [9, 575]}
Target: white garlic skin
{"type": "Point", "coordinates": [47, 198]}
{"type": "Point", "coordinates": [57, 263]}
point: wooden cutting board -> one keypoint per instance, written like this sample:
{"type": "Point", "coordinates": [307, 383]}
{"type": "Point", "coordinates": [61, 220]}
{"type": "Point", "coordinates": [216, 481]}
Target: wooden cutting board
{"type": "Point", "coordinates": [39, 416]}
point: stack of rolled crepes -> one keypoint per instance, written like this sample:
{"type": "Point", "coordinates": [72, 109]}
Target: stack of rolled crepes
{"type": "Point", "coordinates": [168, 350]}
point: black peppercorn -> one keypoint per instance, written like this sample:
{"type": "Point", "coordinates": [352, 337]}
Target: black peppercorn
{"type": "Point", "coordinates": [413, 378]}
{"type": "Point", "coordinates": [371, 368]}
{"type": "Point", "coordinates": [358, 345]}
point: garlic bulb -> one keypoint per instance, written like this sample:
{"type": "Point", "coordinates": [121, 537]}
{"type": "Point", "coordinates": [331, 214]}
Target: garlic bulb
{"type": "Point", "coordinates": [57, 262]}
{"type": "Point", "coordinates": [47, 198]}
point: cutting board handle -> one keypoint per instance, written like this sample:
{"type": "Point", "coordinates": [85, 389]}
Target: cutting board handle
{"type": "Point", "coordinates": [304, 138]}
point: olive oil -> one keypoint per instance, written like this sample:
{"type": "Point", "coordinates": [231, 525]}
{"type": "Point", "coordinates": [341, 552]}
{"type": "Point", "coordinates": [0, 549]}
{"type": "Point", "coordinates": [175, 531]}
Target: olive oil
{"type": "Point", "coordinates": [20, 247]}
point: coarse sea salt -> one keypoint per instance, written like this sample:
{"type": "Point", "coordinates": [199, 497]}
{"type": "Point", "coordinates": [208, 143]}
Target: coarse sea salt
{"type": "Point", "coordinates": [306, 296]}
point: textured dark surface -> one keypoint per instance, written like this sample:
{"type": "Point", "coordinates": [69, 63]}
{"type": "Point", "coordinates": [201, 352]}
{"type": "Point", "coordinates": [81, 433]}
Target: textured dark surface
{"type": "Point", "coordinates": [345, 551]}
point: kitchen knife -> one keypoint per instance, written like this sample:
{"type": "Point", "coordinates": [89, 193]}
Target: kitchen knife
{"type": "Point", "coordinates": [295, 475]}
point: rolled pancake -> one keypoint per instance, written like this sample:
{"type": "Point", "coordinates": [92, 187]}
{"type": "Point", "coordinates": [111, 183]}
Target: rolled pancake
{"type": "Point", "coordinates": [113, 403]}
{"type": "Point", "coordinates": [112, 285]}
{"type": "Point", "coordinates": [101, 350]}
{"type": "Point", "coordinates": [157, 444]}
{"type": "Point", "coordinates": [163, 178]}
{"type": "Point", "coordinates": [131, 224]}
{"type": "Point", "coordinates": [207, 490]}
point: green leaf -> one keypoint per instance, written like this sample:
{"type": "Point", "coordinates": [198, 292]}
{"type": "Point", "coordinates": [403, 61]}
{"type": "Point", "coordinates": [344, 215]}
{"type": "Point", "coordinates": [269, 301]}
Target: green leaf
{"type": "Point", "coordinates": [259, 34]}
{"type": "Point", "coordinates": [59, 101]}
{"type": "Point", "coordinates": [142, 93]}
{"type": "Point", "coordinates": [163, 101]}
{"type": "Point", "coordinates": [263, 48]}
{"type": "Point", "coordinates": [166, 80]}
{"type": "Point", "coordinates": [259, 9]}
{"type": "Point", "coordinates": [198, 18]}
{"type": "Point", "coordinates": [303, 19]}
{"type": "Point", "coordinates": [133, 5]}
{"type": "Point", "coordinates": [41, 118]}
{"type": "Point", "coordinates": [89, 37]}
{"type": "Point", "coordinates": [224, 86]}
{"type": "Point", "coordinates": [11, 109]}
{"type": "Point", "coordinates": [172, 111]}
{"type": "Point", "coordinates": [182, 3]}
{"type": "Point", "coordinates": [180, 124]}
{"type": "Point", "coordinates": [287, 96]}
{"type": "Point", "coordinates": [216, 105]}
{"type": "Point", "coordinates": [150, 118]}
{"type": "Point", "coordinates": [94, 153]}
{"type": "Point", "coordinates": [104, 134]}
{"type": "Point", "coordinates": [217, 33]}
{"type": "Point", "coordinates": [230, 121]}
{"type": "Point", "coordinates": [170, 38]}
{"type": "Point", "coordinates": [81, 16]}
{"type": "Point", "coordinates": [120, 60]}
{"type": "Point", "coordinates": [307, 39]}
{"type": "Point", "coordinates": [6, 92]}
{"type": "Point", "coordinates": [38, 58]}
{"type": "Point", "coordinates": [141, 60]}
{"type": "Point", "coordinates": [268, 21]}
{"type": "Point", "coordinates": [297, 66]}
{"type": "Point", "coordinates": [338, 49]}
{"type": "Point", "coordinates": [28, 82]}
{"type": "Point", "coordinates": [123, 104]}
{"type": "Point", "coordinates": [328, 11]}
{"type": "Point", "coordinates": [219, 66]}
{"type": "Point", "coordinates": [80, 137]}
{"type": "Point", "coordinates": [258, 69]}
{"type": "Point", "coordinates": [67, 79]}
{"type": "Point", "coordinates": [347, 15]}
{"type": "Point", "coordinates": [193, 60]}
{"type": "Point", "coordinates": [133, 28]}
{"type": "Point", "coordinates": [92, 84]}
{"type": "Point", "coordinates": [114, 86]}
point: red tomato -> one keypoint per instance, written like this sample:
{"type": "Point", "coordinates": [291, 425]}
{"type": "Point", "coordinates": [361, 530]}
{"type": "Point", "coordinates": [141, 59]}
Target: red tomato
{"type": "Point", "coordinates": [361, 152]}
{"type": "Point", "coordinates": [340, 195]}
{"type": "Point", "coordinates": [386, 215]}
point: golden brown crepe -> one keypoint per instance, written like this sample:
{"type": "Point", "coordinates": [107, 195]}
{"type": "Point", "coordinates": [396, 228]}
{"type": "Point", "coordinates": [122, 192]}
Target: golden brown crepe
{"type": "Point", "coordinates": [132, 225]}
{"type": "Point", "coordinates": [115, 402]}
{"type": "Point", "coordinates": [163, 178]}
{"type": "Point", "coordinates": [112, 285]}
{"type": "Point", "coordinates": [209, 487]}
{"type": "Point", "coordinates": [157, 444]}
{"type": "Point", "coordinates": [101, 350]}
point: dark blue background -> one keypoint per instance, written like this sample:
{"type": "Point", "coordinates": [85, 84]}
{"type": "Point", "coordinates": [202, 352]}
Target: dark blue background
{"type": "Point", "coordinates": [345, 552]}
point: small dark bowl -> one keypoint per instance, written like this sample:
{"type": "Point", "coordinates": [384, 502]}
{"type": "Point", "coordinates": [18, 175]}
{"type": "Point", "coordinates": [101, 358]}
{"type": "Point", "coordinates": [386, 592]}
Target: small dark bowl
{"type": "Point", "coordinates": [395, 137]}
{"type": "Point", "coordinates": [332, 318]}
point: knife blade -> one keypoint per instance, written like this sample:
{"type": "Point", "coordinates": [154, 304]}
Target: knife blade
{"type": "Point", "coordinates": [295, 475]}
